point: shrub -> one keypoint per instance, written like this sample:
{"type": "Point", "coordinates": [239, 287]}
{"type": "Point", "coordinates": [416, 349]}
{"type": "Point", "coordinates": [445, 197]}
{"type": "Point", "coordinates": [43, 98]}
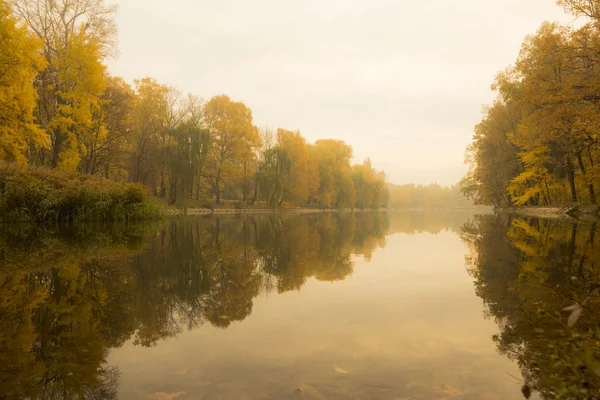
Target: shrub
{"type": "Point", "coordinates": [42, 194]}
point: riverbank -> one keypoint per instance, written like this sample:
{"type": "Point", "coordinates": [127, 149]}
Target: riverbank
{"type": "Point", "coordinates": [587, 212]}
{"type": "Point", "coordinates": [221, 211]}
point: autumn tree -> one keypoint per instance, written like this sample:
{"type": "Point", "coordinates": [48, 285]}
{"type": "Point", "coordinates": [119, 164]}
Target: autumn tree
{"type": "Point", "coordinates": [298, 182]}
{"type": "Point", "coordinates": [73, 32]}
{"type": "Point", "coordinates": [335, 173]}
{"type": "Point", "coordinates": [369, 186]}
{"type": "Point", "coordinates": [110, 157]}
{"type": "Point", "coordinates": [187, 155]}
{"type": "Point", "coordinates": [150, 119]}
{"type": "Point", "coordinates": [272, 174]}
{"type": "Point", "coordinates": [538, 143]}
{"type": "Point", "coordinates": [80, 86]}
{"type": "Point", "coordinates": [20, 62]}
{"type": "Point", "coordinates": [234, 141]}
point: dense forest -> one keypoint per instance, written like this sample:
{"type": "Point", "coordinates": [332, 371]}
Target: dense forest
{"type": "Point", "coordinates": [62, 109]}
{"type": "Point", "coordinates": [539, 142]}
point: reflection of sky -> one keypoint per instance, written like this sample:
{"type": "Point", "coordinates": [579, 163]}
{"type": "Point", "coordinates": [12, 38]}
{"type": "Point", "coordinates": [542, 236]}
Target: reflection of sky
{"type": "Point", "coordinates": [406, 325]}
{"type": "Point", "coordinates": [379, 74]}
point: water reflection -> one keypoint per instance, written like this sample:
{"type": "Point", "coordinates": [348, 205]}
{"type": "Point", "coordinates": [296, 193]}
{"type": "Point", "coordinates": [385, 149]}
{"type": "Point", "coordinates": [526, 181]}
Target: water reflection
{"type": "Point", "coordinates": [163, 304]}
{"type": "Point", "coordinates": [527, 271]}
{"type": "Point", "coordinates": [67, 295]}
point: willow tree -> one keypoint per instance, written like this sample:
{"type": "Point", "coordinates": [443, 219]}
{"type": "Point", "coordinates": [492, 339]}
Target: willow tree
{"type": "Point", "coordinates": [150, 121]}
{"type": "Point", "coordinates": [272, 175]}
{"type": "Point", "coordinates": [188, 155]}
{"type": "Point", "coordinates": [336, 187]}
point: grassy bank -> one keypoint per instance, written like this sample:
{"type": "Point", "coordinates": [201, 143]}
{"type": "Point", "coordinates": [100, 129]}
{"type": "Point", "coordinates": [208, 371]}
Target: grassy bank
{"type": "Point", "coordinates": [42, 194]}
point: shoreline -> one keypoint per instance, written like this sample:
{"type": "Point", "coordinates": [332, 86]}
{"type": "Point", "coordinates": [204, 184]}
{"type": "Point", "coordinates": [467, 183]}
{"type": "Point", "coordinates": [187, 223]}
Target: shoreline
{"type": "Point", "coordinates": [234, 211]}
{"type": "Point", "coordinates": [301, 210]}
{"type": "Point", "coordinates": [575, 212]}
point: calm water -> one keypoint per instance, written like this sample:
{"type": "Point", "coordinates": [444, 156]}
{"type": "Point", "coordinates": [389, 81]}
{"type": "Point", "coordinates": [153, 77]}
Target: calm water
{"type": "Point", "coordinates": [345, 306]}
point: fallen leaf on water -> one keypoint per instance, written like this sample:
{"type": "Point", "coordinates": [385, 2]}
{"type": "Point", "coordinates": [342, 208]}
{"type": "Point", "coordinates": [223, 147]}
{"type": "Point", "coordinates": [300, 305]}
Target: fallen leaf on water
{"type": "Point", "coordinates": [340, 370]}
{"type": "Point", "coordinates": [310, 393]}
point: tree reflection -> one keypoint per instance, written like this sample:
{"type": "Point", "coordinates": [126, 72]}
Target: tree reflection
{"type": "Point", "coordinates": [69, 294]}
{"type": "Point", "coordinates": [527, 271]}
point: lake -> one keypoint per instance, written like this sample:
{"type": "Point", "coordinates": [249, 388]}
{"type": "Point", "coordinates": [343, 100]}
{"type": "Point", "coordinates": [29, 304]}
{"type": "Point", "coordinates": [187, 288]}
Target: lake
{"type": "Point", "coordinates": [366, 305]}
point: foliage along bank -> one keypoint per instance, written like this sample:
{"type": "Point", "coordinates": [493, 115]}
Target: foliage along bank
{"type": "Point", "coordinates": [43, 194]}
{"type": "Point", "coordinates": [539, 142]}
{"type": "Point", "coordinates": [62, 110]}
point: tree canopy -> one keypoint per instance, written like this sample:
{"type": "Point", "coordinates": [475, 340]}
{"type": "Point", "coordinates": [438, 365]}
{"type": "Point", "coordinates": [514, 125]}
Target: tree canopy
{"type": "Point", "coordinates": [62, 109]}
{"type": "Point", "coordinates": [538, 143]}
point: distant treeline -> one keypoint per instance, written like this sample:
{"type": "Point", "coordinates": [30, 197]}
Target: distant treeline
{"type": "Point", "coordinates": [539, 142]}
{"type": "Point", "coordinates": [61, 109]}
{"type": "Point", "coordinates": [431, 196]}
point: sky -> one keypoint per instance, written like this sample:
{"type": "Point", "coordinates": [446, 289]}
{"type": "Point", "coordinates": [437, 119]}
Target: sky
{"type": "Point", "coordinates": [402, 82]}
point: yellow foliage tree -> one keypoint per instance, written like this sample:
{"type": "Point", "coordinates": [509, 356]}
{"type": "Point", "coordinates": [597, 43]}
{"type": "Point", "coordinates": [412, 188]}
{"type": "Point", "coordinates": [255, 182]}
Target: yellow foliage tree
{"type": "Point", "coordinates": [20, 62]}
{"type": "Point", "coordinates": [150, 119]}
{"type": "Point", "coordinates": [234, 141]}
{"type": "Point", "coordinates": [81, 83]}
{"type": "Point", "coordinates": [297, 183]}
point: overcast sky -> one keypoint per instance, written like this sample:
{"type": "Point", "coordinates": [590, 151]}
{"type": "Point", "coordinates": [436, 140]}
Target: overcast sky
{"type": "Point", "coordinates": [403, 82]}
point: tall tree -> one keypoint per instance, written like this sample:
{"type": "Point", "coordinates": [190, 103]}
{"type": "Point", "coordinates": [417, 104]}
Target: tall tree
{"type": "Point", "coordinates": [151, 118]}
{"type": "Point", "coordinates": [110, 156]}
{"type": "Point", "coordinates": [81, 83]}
{"type": "Point", "coordinates": [234, 141]}
{"type": "Point", "coordinates": [20, 62]}
{"type": "Point", "coordinates": [66, 28]}
{"type": "Point", "coordinates": [297, 182]}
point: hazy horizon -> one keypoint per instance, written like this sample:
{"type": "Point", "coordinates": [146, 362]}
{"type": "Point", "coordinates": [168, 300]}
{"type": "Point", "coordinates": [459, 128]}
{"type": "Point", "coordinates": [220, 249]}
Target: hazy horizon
{"type": "Point", "coordinates": [403, 85]}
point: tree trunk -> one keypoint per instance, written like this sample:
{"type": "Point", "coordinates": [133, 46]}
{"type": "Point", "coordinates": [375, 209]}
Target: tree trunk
{"type": "Point", "coordinates": [218, 188]}
{"type": "Point", "coordinates": [571, 177]}
{"type": "Point", "coordinates": [590, 184]}
{"type": "Point", "coordinates": [255, 192]}
{"type": "Point", "coordinates": [245, 189]}
{"type": "Point", "coordinates": [548, 192]}
{"type": "Point", "coordinates": [163, 188]}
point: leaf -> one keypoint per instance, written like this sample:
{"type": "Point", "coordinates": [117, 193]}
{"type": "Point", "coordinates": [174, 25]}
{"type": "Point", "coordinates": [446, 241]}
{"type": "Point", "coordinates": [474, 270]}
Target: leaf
{"type": "Point", "coordinates": [340, 370]}
{"type": "Point", "coordinates": [574, 317]}
{"type": "Point", "coordinates": [223, 317]}
{"type": "Point", "coordinates": [576, 310]}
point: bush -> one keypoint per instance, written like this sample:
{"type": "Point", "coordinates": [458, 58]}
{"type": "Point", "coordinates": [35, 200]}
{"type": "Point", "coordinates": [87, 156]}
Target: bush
{"type": "Point", "coordinates": [42, 194]}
